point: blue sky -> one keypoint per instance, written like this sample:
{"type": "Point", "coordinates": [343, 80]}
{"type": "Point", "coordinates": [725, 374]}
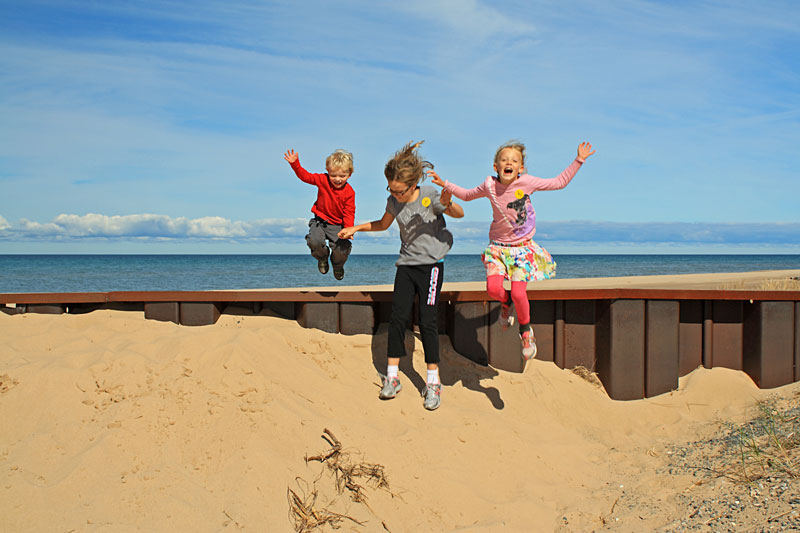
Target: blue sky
{"type": "Point", "coordinates": [159, 127]}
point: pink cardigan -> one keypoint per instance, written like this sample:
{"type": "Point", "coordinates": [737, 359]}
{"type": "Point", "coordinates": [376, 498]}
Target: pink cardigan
{"type": "Point", "coordinates": [514, 219]}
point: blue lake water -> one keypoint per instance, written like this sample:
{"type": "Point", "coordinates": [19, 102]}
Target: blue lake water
{"type": "Point", "coordinates": [83, 273]}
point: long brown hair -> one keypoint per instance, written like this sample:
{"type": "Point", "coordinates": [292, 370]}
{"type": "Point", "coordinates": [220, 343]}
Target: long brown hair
{"type": "Point", "coordinates": [407, 166]}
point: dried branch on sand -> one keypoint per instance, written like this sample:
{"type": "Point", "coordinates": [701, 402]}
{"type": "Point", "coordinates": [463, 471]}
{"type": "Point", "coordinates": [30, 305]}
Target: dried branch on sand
{"type": "Point", "coordinates": [305, 517]}
{"type": "Point", "coordinates": [347, 473]}
{"type": "Point", "coordinates": [303, 511]}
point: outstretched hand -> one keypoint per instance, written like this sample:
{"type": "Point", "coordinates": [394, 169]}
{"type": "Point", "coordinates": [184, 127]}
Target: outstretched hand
{"type": "Point", "coordinates": [446, 197]}
{"type": "Point", "coordinates": [291, 156]}
{"type": "Point", "coordinates": [585, 150]}
{"type": "Point", "coordinates": [347, 233]}
{"type": "Point", "coordinates": [435, 179]}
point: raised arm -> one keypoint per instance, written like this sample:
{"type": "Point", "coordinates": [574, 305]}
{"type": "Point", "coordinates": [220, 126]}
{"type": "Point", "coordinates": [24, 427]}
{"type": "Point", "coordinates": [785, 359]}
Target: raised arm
{"type": "Point", "coordinates": [293, 158]}
{"type": "Point", "coordinates": [563, 179]}
{"type": "Point", "coordinates": [375, 225]}
{"type": "Point", "coordinates": [455, 190]}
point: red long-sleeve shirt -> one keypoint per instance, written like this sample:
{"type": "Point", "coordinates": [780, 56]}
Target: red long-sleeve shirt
{"type": "Point", "coordinates": [337, 206]}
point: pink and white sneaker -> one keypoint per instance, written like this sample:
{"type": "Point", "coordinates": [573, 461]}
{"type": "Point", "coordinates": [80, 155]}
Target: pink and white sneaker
{"type": "Point", "coordinates": [528, 344]}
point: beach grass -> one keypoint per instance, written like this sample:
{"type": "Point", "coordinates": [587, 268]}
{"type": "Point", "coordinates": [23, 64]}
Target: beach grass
{"type": "Point", "coordinates": [767, 445]}
{"type": "Point", "coordinates": [778, 284]}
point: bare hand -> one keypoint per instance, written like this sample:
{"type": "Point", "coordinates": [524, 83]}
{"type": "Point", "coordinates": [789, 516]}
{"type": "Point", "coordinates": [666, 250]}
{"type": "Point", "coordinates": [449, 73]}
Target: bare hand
{"type": "Point", "coordinates": [291, 156]}
{"type": "Point", "coordinates": [347, 233]}
{"type": "Point", "coordinates": [446, 197]}
{"type": "Point", "coordinates": [435, 179]}
{"type": "Point", "coordinates": [585, 150]}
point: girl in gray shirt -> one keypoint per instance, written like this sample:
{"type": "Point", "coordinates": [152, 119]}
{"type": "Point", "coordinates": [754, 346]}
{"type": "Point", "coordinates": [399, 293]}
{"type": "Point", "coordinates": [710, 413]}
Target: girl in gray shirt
{"type": "Point", "coordinates": [424, 241]}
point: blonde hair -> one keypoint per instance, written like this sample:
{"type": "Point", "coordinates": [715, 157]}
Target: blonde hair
{"type": "Point", "coordinates": [514, 144]}
{"type": "Point", "coordinates": [407, 166]}
{"type": "Point", "coordinates": [341, 159]}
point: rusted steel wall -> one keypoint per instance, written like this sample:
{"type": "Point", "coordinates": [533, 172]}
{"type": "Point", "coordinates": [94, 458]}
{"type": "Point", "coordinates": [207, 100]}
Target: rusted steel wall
{"type": "Point", "coordinates": [638, 341]}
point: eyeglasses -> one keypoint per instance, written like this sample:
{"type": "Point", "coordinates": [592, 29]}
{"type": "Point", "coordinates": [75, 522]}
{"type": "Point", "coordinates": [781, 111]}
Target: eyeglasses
{"type": "Point", "coordinates": [398, 193]}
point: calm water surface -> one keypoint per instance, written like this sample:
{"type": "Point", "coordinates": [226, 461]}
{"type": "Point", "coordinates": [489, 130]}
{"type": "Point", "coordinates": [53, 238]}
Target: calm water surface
{"type": "Point", "coordinates": [83, 273]}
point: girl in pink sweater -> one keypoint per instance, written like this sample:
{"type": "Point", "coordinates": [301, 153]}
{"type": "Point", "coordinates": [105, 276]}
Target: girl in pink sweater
{"type": "Point", "coordinates": [512, 254]}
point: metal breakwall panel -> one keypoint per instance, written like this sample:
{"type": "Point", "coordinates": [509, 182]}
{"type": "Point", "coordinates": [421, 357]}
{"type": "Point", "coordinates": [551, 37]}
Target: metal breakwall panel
{"type": "Point", "coordinates": [356, 318]}
{"type": "Point", "coordinates": [323, 315]}
{"type": "Point", "coordinates": [769, 343]}
{"type": "Point", "coordinates": [558, 333]}
{"type": "Point", "coordinates": [471, 331]}
{"type": "Point", "coordinates": [200, 313]}
{"type": "Point", "coordinates": [580, 317]}
{"type": "Point", "coordinates": [708, 333]}
{"type": "Point", "coordinates": [284, 309]}
{"type": "Point", "coordinates": [662, 346]}
{"type": "Point", "coordinates": [163, 311]}
{"type": "Point", "coordinates": [46, 309]}
{"type": "Point", "coordinates": [727, 335]}
{"type": "Point", "coordinates": [690, 334]}
{"type": "Point", "coordinates": [621, 348]}
{"type": "Point", "coordinates": [543, 320]}
{"type": "Point", "coordinates": [83, 308]}
{"type": "Point", "coordinates": [505, 350]}
{"type": "Point", "coordinates": [797, 341]}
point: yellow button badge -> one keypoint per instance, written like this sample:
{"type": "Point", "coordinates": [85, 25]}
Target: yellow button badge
{"type": "Point", "coordinates": [519, 194]}
{"type": "Point", "coordinates": [426, 202]}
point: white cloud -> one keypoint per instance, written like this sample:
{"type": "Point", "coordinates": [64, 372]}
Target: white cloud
{"type": "Point", "coordinates": [213, 228]}
{"type": "Point", "coordinates": [153, 226]}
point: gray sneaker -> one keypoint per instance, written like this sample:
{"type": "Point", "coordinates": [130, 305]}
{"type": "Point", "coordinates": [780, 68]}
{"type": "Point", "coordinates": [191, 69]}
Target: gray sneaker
{"type": "Point", "coordinates": [390, 387]}
{"type": "Point", "coordinates": [433, 396]}
{"type": "Point", "coordinates": [322, 265]}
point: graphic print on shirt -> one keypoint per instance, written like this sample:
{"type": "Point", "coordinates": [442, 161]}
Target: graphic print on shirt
{"type": "Point", "coordinates": [417, 220]}
{"type": "Point", "coordinates": [526, 216]}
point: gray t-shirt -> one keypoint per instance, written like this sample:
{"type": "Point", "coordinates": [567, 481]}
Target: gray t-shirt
{"type": "Point", "coordinates": [424, 236]}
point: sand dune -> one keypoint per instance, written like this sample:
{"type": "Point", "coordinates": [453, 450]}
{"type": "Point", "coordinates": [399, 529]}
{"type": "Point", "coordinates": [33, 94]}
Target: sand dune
{"type": "Point", "coordinates": [112, 422]}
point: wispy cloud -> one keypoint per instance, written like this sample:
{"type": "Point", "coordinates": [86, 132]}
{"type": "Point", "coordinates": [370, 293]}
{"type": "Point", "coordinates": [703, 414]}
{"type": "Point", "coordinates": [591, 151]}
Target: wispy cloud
{"type": "Point", "coordinates": [152, 226]}
{"type": "Point", "coordinates": [671, 232]}
{"type": "Point", "coordinates": [161, 227]}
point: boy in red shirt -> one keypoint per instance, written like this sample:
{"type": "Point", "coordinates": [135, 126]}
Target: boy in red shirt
{"type": "Point", "coordinates": [334, 209]}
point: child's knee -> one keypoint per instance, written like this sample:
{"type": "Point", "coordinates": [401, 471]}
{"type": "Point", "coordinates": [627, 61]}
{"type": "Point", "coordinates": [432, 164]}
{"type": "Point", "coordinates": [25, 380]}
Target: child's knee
{"type": "Point", "coordinates": [316, 239]}
{"type": "Point", "coordinates": [343, 246]}
{"type": "Point", "coordinates": [494, 288]}
{"type": "Point", "coordinates": [341, 250]}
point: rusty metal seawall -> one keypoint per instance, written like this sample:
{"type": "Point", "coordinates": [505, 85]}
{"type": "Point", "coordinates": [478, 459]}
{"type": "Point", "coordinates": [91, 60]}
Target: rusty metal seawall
{"type": "Point", "coordinates": [638, 340]}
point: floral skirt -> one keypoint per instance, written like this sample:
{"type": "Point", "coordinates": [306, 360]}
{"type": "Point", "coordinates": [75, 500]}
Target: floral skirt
{"type": "Point", "coordinates": [526, 261]}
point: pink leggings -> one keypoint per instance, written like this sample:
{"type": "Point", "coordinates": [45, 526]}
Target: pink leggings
{"type": "Point", "coordinates": [519, 295]}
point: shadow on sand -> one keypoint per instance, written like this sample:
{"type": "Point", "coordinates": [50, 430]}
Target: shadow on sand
{"type": "Point", "coordinates": [453, 367]}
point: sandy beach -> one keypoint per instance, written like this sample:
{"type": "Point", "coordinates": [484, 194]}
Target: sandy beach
{"type": "Point", "coordinates": [756, 280]}
{"type": "Point", "coordinates": [110, 422]}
